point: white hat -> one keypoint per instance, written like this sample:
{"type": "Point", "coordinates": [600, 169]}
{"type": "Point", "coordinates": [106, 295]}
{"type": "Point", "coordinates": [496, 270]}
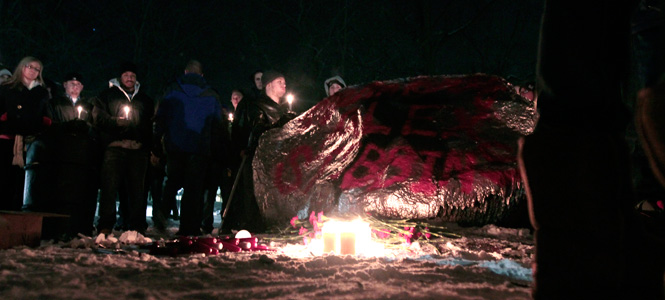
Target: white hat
{"type": "Point", "coordinates": [5, 72]}
{"type": "Point", "coordinates": [330, 81]}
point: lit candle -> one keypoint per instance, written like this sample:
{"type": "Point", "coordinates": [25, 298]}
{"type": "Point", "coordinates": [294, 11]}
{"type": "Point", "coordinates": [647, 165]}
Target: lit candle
{"type": "Point", "coordinates": [230, 117]}
{"type": "Point", "coordinates": [79, 108]}
{"type": "Point", "coordinates": [289, 99]}
{"type": "Point", "coordinates": [347, 243]}
{"type": "Point", "coordinates": [329, 240]}
{"type": "Point", "coordinates": [126, 108]}
{"type": "Point", "coordinates": [344, 238]}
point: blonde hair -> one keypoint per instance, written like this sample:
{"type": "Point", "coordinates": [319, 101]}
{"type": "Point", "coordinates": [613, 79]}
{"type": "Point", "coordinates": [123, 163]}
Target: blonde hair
{"type": "Point", "coordinates": [15, 79]}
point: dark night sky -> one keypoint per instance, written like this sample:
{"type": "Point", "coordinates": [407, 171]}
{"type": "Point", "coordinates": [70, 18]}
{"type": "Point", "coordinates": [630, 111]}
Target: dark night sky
{"type": "Point", "coordinates": [308, 41]}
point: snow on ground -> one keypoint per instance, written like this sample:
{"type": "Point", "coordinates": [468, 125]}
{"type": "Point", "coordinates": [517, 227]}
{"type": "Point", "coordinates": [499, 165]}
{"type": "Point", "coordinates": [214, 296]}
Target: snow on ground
{"type": "Point", "coordinates": [484, 263]}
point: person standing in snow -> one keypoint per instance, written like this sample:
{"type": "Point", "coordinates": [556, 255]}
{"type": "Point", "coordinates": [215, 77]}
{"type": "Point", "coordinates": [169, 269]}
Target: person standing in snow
{"type": "Point", "coordinates": [24, 115]}
{"type": "Point", "coordinates": [76, 156]}
{"type": "Point", "coordinates": [123, 113]}
{"type": "Point", "coordinates": [224, 169]}
{"type": "Point", "coordinates": [188, 124]}
{"type": "Point", "coordinates": [251, 121]}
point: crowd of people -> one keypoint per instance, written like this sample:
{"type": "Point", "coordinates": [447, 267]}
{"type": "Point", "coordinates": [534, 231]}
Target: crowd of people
{"type": "Point", "coordinates": [109, 154]}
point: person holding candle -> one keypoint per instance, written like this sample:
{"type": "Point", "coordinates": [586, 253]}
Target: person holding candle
{"type": "Point", "coordinates": [188, 127]}
{"type": "Point", "coordinates": [76, 156]}
{"type": "Point", "coordinates": [66, 107]}
{"type": "Point", "coordinates": [251, 121]}
{"type": "Point", "coordinates": [24, 115]}
{"type": "Point", "coordinates": [236, 97]}
{"type": "Point", "coordinates": [126, 138]}
{"type": "Point", "coordinates": [223, 170]}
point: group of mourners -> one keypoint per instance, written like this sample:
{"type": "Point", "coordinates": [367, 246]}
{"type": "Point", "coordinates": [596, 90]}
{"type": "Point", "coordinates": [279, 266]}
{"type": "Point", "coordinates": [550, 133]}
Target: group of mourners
{"type": "Point", "coordinates": [81, 157]}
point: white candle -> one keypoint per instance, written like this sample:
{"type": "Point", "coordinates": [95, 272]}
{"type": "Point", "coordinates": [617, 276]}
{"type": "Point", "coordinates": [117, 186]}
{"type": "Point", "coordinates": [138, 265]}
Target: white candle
{"type": "Point", "coordinates": [126, 108]}
{"type": "Point", "coordinates": [230, 117]}
{"type": "Point", "coordinates": [289, 99]}
{"type": "Point", "coordinates": [79, 108]}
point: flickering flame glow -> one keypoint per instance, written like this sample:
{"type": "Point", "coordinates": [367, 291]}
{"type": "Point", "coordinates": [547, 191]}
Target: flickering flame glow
{"type": "Point", "coordinates": [126, 108]}
{"type": "Point", "coordinates": [289, 99]}
{"type": "Point", "coordinates": [346, 238]}
{"type": "Point", "coordinates": [79, 109]}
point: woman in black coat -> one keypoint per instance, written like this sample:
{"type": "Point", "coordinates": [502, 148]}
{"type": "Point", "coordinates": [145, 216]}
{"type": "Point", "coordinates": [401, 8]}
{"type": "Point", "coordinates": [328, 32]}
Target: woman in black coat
{"type": "Point", "coordinates": [23, 115]}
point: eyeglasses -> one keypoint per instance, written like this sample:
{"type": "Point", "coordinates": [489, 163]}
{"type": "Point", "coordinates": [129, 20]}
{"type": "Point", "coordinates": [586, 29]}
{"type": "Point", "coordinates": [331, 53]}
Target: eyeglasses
{"type": "Point", "coordinates": [75, 84]}
{"type": "Point", "coordinates": [33, 68]}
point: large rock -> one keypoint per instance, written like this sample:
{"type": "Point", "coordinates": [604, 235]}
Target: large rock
{"type": "Point", "coordinates": [418, 148]}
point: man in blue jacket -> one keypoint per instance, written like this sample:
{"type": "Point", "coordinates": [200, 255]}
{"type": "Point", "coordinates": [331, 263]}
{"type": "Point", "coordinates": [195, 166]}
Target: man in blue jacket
{"type": "Point", "coordinates": [187, 127]}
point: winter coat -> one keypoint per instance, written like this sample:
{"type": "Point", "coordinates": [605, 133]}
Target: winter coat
{"type": "Point", "coordinates": [189, 118]}
{"type": "Point", "coordinates": [64, 109]}
{"type": "Point", "coordinates": [252, 119]}
{"type": "Point", "coordinates": [73, 137]}
{"type": "Point", "coordinates": [109, 107]}
{"type": "Point", "coordinates": [23, 111]}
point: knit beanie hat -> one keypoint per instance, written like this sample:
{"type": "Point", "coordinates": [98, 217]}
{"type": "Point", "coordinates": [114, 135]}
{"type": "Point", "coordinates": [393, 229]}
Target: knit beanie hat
{"type": "Point", "coordinates": [269, 76]}
{"type": "Point", "coordinates": [127, 67]}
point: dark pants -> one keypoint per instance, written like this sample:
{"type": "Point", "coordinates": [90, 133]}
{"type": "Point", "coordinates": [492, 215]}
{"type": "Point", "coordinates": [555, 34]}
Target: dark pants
{"type": "Point", "coordinates": [188, 171]}
{"type": "Point", "coordinates": [76, 172]}
{"type": "Point", "coordinates": [121, 165]}
{"type": "Point", "coordinates": [76, 188]}
{"type": "Point", "coordinates": [154, 186]}
{"type": "Point", "coordinates": [11, 178]}
{"type": "Point", "coordinates": [244, 211]}
{"type": "Point", "coordinates": [215, 179]}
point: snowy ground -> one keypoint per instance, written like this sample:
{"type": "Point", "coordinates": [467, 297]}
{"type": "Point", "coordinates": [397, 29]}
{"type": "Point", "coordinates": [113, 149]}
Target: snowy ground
{"type": "Point", "coordinates": [484, 263]}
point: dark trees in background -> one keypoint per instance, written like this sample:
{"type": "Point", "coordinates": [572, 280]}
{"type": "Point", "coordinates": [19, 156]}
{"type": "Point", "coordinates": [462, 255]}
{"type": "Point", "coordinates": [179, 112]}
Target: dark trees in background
{"type": "Point", "coordinates": [308, 40]}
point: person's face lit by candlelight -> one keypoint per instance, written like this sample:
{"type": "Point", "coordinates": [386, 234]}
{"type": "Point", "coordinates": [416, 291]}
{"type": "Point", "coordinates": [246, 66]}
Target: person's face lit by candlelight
{"type": "Point", "coordinates": [236, 97]}
{"type": "Point", "coordinates": [128, 81]}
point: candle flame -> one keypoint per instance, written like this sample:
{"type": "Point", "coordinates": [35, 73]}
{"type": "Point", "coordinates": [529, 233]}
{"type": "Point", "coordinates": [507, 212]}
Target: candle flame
{"type": "Point", "coordinates": [343, 237]}
{"type": "Point", "coordinates": [289, 98]}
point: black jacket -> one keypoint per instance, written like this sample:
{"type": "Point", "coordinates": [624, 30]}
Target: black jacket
{"type": "Point", "coordinates": [63, 109]}
{"type": "Point", "coordinates": [23, 111]}
{"type": "Point", "coordinates": [109, 107]}
{"type": "Point", "coordinates": [252, 119]}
